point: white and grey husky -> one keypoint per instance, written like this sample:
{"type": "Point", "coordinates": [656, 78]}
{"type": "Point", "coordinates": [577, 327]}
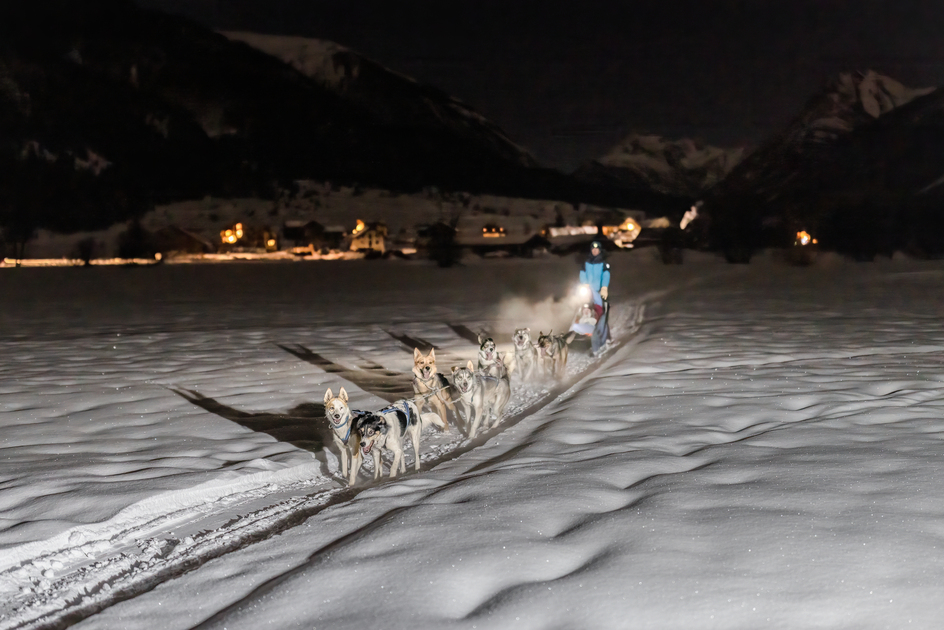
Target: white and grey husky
{"type": "Point", "coordinates": [345, 433]}
{"type": "Point", "coordinates": [526, 354]}
{"type": "Point", "coordinates": [388, 428]}
{"type": "Point", "coordinates": [552, 350]}
{"type": "Point", "coordinates": [482, 395]}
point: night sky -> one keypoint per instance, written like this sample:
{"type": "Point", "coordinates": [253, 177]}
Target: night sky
{"type": "Point", "coordinates": [568, 80]}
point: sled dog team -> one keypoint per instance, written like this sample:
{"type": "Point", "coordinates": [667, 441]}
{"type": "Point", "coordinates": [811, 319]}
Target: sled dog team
{"type": "Point", "coordinates": [482, 392]}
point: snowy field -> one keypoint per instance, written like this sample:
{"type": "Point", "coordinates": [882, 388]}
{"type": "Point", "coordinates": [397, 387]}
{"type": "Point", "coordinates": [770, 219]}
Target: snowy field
{"type": "Point", "coordinates": [762, 450]}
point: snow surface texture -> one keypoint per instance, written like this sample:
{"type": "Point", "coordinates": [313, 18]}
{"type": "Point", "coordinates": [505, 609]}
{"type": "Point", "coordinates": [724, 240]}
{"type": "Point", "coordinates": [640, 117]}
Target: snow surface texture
{"type": "Point", "coordinates": [764, 452]}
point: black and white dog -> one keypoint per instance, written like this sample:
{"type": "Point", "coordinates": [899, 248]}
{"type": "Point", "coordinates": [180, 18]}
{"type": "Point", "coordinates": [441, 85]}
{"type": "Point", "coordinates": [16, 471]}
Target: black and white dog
{"type": "Point", "coordinates": [344, 432]}
{"type": "Point", "coordinates": [389, 427]}
{"type": "Point", "coordinates": [489, 356]}
{"type": "Point", "coordinates": [526, 354]}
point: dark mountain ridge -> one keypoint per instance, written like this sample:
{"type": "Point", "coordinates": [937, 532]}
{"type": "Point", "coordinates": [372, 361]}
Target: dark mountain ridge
{"type": "Point", "coordinates": [165, 109]}
{"type": "Point", "coordinates": [863, 184]}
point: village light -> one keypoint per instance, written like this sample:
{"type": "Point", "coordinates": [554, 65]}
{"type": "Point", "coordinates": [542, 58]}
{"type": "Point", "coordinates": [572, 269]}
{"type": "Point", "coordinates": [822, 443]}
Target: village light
{"type": "Point", "coordinates": [360, 227]}
{"type": "Point", "coordinates": [270, 242]}
{"type": "Point", "coordinates": [629, 225]}
{"type": "Point", "coordinates": [803, 238]}
{"type": "Point", "coordinates": [233, 234]}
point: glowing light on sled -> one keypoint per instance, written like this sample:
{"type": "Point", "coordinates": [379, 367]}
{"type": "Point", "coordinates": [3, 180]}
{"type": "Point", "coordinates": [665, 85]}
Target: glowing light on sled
{"type": "Point", "coordinates": [803, 238]}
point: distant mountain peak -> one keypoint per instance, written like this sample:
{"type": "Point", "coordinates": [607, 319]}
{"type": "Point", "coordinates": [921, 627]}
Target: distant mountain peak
{"type": "Point", "coordinates": [875, 93]}
{"type": "Point", "coordinates": [848, 101]}
{"type": "Point", "coordinates": [684, 167]}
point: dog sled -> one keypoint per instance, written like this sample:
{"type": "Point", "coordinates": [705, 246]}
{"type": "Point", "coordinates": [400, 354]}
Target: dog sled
{"type": "Point", "coordinates": [591, 322]}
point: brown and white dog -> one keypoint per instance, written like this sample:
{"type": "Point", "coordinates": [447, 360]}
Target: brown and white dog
{"type": "Point", "coordinates": [345, 433]}
{"type": "Point", "coordinates": [552, 350]}
{"type": "Point", "coordinates": [427, 380]}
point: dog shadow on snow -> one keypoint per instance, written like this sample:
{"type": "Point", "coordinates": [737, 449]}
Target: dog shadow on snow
{"type": "Point", "coordinates": [302, 426]}
{"type": "Point", "coordinates": [370, 377]}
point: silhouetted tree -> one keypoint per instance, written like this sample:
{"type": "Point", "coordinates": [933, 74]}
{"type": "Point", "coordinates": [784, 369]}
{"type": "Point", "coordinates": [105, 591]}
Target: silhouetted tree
{"type": "Point", "coordinates": [442, 244]}
{"type": "Point", "coordinates": [136, 242]}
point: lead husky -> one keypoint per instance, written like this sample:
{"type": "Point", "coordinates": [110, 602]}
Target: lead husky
{"type": "Point", "coordinates": [345, 433]}
{"type": "Point", "coordinates": [553, 352]}
{"type": "Point", "coordinates": [526, 354]}
{"type": "Point", "coordinates": [426, 380]}
{"type": "Point", "coordinates": [388, 427]}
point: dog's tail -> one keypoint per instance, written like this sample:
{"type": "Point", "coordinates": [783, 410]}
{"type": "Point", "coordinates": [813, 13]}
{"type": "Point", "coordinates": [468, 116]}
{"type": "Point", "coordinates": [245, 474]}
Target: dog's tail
{"type": "Point", "coordinates": [569, 338]}
{"type": "Point", "coordinates": [430, 418]}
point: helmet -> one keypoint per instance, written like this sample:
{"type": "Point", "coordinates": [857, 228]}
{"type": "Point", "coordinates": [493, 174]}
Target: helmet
{"type": "Point", "coordinates": [596, 245]}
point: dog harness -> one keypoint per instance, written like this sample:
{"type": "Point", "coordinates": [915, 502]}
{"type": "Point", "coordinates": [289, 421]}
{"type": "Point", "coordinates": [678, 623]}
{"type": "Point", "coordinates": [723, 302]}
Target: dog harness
{"type": "Point", "coordinates": [401, 406]}
{"type": "Point", "coordinates": [443, 384]}
{"type": "Point", "coordinates": [350, 422]}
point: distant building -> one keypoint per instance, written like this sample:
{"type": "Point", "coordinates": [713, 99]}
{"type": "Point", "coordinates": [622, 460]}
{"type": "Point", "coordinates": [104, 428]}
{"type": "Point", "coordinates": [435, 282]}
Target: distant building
{"type": "Point", "coordinates": [312, 235]}
{"type": "Point", "coordinates": [487, 233]}
{"type": "Point", "coordinates": [242, 238]}
{"type": "Point", "coordinates": [370, 237]}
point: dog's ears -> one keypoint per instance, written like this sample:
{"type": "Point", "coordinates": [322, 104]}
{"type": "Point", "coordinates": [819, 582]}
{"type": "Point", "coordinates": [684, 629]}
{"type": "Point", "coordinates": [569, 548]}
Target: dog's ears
{"type": "Point", "coordinates": [328, 396]}
{"type": "Point", "coordinates": [471, 366]}
{"type": "Point", "coordinates": [432, 354]}
{"type": "Point", "coordinates": [528, 329]}
{"type": "Point", "coordinates": [342, 395]}
{"type": "Point", "coordinates": [482, 338]}
{"type": "Point", "coordinates": [455, 368]}
{"type": "Point", "coordinates": [549, 332]}
{"type": "Point", "coordinates": [417, 354]}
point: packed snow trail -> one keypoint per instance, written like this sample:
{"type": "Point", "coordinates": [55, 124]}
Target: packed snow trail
{"type": "Point", "coordinates": [92, 569]}
{"type": "Point", "coordinates": [757, 458]}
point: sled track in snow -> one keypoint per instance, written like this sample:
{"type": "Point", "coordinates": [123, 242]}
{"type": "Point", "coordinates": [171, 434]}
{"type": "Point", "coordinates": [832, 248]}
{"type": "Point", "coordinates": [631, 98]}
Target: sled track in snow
{"type": "Point", "coordinates": [99, 574]}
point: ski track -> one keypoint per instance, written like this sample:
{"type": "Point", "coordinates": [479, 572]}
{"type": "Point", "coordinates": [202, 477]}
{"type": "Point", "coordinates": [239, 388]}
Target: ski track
{"type": "Point", "coordinates": [83, 571]}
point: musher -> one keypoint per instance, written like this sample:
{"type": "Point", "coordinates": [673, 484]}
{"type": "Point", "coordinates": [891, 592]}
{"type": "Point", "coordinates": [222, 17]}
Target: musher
{"type": "Point", "coordinates": [596, 276]}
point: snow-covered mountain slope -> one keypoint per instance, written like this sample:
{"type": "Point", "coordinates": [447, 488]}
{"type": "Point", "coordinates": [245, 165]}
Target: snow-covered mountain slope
{"type": "Point", "coordinates": [858, 167]}
{"type": "Point", "coordinates": [387, 95]}
{"type": "Point", "coordinates": [678, 167]}
{"type": "Point", "coordinates": [848, 102]}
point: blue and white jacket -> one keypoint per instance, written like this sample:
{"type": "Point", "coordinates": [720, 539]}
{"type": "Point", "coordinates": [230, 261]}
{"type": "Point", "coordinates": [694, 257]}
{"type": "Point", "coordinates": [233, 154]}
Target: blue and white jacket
{"type": "Point", "coordinates": [597, 275]}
